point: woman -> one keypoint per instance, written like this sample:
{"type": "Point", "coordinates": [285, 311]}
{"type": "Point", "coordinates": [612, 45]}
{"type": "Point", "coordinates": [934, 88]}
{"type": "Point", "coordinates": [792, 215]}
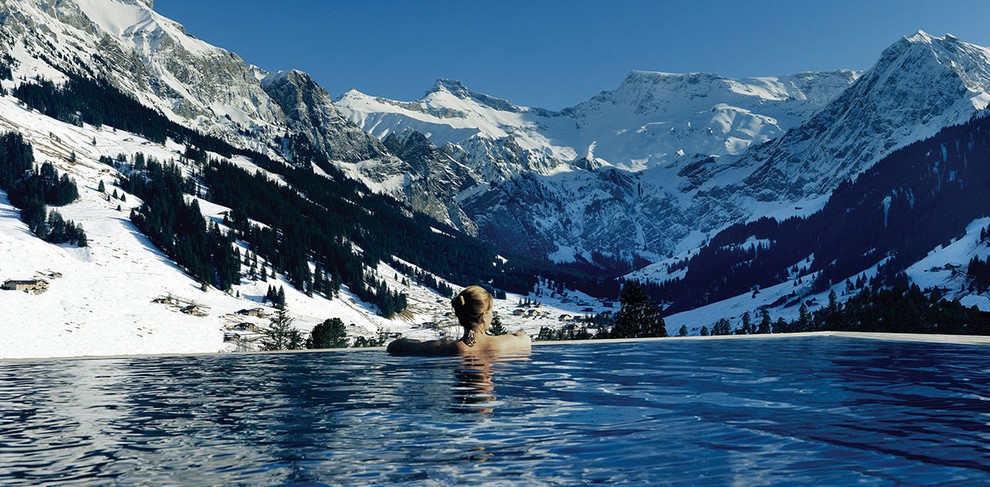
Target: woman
{"type": "Point", "coordinates": [473, 307]}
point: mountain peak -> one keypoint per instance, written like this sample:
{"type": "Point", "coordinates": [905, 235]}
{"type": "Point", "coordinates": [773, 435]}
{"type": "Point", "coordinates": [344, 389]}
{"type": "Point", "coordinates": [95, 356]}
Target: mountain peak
{"type": "Point", "coordinates": [353, 93]}
{"type": "Point", "coordinates": [452, 86]}
{"type": "Point", "coordinates": [289, 74]}
{"type": "Point", "coordinates": [968, 61]}
{"type": "Point", "coordinates": [456, 88]}
{"type": "Point", "coordinates": [639, 76]}
{"type": "Point", "coordinates": [921, 37]}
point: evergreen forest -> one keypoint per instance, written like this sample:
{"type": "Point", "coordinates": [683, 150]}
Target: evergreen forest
{"type": "Point", "coordinates": [32, 189]}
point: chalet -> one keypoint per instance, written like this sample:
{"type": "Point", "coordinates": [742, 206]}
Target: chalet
{"type": "Point", "coordinates": [194, 310]}
{"type": "Point", "coordinates": [240, 337]}
{"type": "Point", "coordinates": [33, 286]}
{"type": "Point", "coordinates": [517, 312]}
{"type": "Point", "coordinates": [256, 312]}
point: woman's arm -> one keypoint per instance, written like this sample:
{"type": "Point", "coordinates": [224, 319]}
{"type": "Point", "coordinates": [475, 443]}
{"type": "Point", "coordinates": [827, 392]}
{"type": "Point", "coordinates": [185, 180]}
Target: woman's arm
{"type": "Point", "coordinates": [407, 346]}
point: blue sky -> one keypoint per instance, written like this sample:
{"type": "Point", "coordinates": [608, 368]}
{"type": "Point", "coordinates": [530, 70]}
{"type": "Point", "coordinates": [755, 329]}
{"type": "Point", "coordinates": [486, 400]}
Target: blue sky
{"type": "Point", "coordinates": [555, 54]}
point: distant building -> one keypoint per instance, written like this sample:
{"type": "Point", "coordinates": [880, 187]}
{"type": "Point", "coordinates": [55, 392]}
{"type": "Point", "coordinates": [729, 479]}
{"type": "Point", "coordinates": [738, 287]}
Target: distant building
{"type": "Point", "coordinates": [256, 312]}
{"type": "Point", "coordinates": [33, 286]}
{"type": "Point", "coordinates": [194, 310]}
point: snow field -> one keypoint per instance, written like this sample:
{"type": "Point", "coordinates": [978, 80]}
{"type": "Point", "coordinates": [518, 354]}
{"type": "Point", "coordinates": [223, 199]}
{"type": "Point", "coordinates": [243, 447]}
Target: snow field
{"type": "Point", "coordinates": [102, 302]}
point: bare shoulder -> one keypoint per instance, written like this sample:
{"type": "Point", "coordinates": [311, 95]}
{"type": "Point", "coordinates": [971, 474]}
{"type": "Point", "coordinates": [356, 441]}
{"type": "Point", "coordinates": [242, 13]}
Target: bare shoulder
{"type": "Point", "coordinates": [518, 341]}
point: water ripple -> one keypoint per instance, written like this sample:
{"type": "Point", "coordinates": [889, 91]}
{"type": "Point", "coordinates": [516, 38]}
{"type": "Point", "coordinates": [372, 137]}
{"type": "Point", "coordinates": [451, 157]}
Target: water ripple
{"type": "Point", "coordinates": [819, 411]}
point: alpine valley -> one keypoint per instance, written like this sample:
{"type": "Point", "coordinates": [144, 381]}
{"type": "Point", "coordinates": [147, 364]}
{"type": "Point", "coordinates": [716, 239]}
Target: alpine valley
{"type": "Point", "coordinates": [160, 195]}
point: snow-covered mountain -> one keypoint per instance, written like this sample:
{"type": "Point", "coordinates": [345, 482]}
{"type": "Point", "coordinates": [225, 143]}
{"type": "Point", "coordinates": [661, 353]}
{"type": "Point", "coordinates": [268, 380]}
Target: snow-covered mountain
{"type": "Point", "coordinates": [211, 90]}
{"type": "Point", "coordinates": [919, 85]}
{"type": "Point", "coordinates": [121, 294]}
{"type": "Point", "coordinates": [146, 56]}
{"type": "Point", "coordinates": [597, 177]}
{"type": "Point", "coordinates": [650, 119]}
{"type": "Point", "coordinates": [665, 160]}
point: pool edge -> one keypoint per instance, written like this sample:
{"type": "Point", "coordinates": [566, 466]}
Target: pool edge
{"type": "Point", "coordinates": [904, 337]}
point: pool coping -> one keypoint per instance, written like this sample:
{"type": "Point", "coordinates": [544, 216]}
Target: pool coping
{"type": "Point", "coordinates": [901, 337]}
{"type": "Point", "coordinates": [904, 337]}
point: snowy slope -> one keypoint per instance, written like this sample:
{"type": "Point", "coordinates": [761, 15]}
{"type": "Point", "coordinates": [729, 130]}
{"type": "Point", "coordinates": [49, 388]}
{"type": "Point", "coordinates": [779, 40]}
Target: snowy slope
{"type": "Point", "coordinates": [547, 188]}
{"type": "Point", "coordinates": [919, 85]}
{"type": "Point", "coordinates": [101, 302]}
{"type": "Point", "coordinates": [145, 55]}
{"type": "Point", "coordinates": [652, 118]}
{"type": "Point", "coordinates": [153, 60]}
{"type": "Point", "coordinates": [694, 152]}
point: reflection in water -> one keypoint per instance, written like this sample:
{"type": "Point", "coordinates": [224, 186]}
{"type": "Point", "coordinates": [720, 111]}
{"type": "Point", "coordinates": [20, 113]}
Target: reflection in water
{"type": "Point", "coordinates": [823, 411]}
{"type": "Point", "coordinates": [473, 388]}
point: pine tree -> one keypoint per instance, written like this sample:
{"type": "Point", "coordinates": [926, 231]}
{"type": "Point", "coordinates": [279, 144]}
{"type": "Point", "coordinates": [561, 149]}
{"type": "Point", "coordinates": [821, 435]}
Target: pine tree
{"type": "Point", "coordinates": [81, 239]}
{"type": "Point", "coordinates": [722, 327]}
{"type": "Point", "coordinates": [804, 318]}
{"type": "Point", "coordinates": [329, 334]}
{"type": "Point", "coordinates": [765, 323]}
{"type": "Point", "coordinates": [497, 328]}
{"type": "Point", "coordinates": [683, 331]}
{"type": "Point", "coordinates": [637, 316]}
{"type": "Point", "coordinates": [280, 334]}
{"type": "Point", "coordinates": [747, 324]}
{"type": "Point", "coordinates": [780, 326]}
{"type": "Point", "coordinates": [102, 187]}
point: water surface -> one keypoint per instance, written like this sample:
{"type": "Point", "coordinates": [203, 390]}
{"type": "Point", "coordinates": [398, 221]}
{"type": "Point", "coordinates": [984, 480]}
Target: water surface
{"type": "Point", "coordinates": [816, 410]}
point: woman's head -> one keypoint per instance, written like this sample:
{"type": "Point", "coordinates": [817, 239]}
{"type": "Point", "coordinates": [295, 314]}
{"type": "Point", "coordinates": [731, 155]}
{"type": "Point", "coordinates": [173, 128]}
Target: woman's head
{"type": "Point", "coordinates": [471, 307]}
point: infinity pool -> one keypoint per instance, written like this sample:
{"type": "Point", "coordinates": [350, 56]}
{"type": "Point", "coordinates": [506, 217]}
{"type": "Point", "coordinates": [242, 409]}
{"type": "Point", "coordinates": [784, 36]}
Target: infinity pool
{"type": "Point", "coordinates": [820, 411]}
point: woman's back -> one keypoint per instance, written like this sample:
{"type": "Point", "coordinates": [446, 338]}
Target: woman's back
{"type": "Point", "coordinates": [484, 344]}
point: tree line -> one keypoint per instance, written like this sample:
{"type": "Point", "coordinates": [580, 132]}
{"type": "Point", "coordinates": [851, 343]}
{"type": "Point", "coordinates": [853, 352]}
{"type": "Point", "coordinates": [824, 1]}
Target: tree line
{"type": "Point", "coordinates": [900, 308]}
{"type": "Point", "coordinates": [638, 317]}
{"type": "Point", "coordinates": [32, 189]}
{"type": "Point", "coordinates": [331, 333]}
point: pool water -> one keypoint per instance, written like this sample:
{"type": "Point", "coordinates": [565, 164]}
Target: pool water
{"type": "Point", "coordinates": [822, 410]}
